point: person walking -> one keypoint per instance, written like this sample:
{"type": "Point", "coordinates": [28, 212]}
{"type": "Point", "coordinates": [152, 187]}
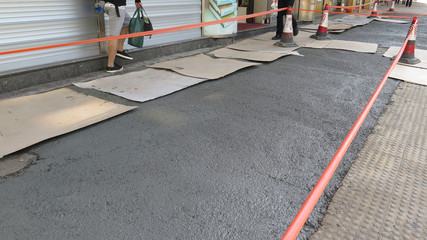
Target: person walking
{"type": "Point", "coordinates": [118, 25]}
{"type": "Point", "coordinates": [408, 3]}
{"type": "Point", "coordinates": [279, 27]}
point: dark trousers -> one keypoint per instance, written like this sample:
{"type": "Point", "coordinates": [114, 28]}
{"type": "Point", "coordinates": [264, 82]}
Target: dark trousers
{"type": "Point", "coordinates": [279, 29]}
{"type": "Point", "coordinates": [282, 4]}
{"type": "Point", "coordinates": [408, 3]}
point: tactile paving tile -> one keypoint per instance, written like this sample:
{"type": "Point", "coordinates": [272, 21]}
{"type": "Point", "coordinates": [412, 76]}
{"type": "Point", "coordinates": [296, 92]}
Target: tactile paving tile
{"type": "Point", "coordinates": [384, 194]}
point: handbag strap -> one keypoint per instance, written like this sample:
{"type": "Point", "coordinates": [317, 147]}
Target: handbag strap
{"type": "Point", "coordinates": [143, 10]}
{"type": "Point", "coordinates": [137, 13]}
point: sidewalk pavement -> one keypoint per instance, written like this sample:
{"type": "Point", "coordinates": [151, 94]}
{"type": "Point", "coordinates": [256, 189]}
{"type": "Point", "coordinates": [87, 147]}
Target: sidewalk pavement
{"type": "Point", "coordinates": [383, 195]}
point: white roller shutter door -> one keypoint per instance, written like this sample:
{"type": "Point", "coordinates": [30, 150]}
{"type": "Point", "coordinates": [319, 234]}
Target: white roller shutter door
{"type": "Point", "coordinates": [33, 23]}
{"type": "Point", "coordinates": [169, 13]}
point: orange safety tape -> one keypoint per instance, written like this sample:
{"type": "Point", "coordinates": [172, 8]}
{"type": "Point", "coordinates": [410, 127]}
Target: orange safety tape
{"type": "Point", "coordinates": [349, 7]}
{"type": "Point", "coordinates": [306, 209]}
{"type": "Point", "coordinates": [362, 14]}
{"type": "Point", "coordinates": [172, 29]}
{"type": "Point", "coordinates": [164, 30]}
{"type": "Point", "coordinates": [414, 14]}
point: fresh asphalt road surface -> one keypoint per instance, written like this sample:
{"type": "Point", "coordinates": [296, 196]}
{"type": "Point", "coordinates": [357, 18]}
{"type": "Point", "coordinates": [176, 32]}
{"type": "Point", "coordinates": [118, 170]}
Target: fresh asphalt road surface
{"type": "Point", "coordinates": [233, 158]}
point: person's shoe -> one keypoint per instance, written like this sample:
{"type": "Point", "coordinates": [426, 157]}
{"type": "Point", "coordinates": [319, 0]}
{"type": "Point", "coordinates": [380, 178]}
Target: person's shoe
{"type": "Point", "coordinates": [123, 55]}
{"type": "Point", "coordinates": [277, 37]}
{"type": "Point", "coordinates": [114, 69]}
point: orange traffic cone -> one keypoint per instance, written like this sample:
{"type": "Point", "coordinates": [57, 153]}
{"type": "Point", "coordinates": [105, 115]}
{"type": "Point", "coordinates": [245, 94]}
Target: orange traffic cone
{"type": "Point", "coordinates": [374, 11]}
{"type": "Point", "coordinates": [287, 39]}
{"type": "Point", "coordinates": [408, 55]}
{"type": "Point", "coordinates": [322, 31]}
{"type": "Point", "coordinates": [392, 7]}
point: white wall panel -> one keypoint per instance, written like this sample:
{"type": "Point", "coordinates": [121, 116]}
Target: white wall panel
{"type": "Point", "coordinates": [33, 23]}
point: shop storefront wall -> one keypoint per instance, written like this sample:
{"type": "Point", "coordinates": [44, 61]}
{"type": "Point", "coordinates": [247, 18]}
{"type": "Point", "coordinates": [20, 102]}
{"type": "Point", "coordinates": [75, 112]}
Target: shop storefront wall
{"type": "Point", "coordinates": [169, 13]}
{"type": "Point", "coordinates": [306, 16]}
{"type": "Point", "coordinates": [34, 23]}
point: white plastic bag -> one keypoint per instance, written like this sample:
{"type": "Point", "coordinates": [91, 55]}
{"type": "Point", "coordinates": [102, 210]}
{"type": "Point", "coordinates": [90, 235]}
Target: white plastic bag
{"type": "Point", "coordinates": [274, 7]}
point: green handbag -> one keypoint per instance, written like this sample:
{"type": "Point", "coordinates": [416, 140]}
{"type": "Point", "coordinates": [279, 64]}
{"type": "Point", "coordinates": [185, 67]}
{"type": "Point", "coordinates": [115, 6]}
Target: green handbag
{"type": "Point", "coordinates": [136, 25]}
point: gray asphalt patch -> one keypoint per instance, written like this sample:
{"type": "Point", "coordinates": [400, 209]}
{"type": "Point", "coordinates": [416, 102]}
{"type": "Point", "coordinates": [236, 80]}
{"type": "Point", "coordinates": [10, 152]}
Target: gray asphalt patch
{"type": "Point", "coordinates": [228, 159]}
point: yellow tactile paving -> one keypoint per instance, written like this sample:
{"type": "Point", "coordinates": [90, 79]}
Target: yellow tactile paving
{"type": "Point", "coordinates": [384, 195]}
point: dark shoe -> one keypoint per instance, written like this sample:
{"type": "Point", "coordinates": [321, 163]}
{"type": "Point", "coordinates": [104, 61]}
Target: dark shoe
{"type": "Point", "coordinates": [123, 55]}
{"type": "Point", "coordinates": [114, 69]}
{"type": "Point", "coordinates": [277, 37]}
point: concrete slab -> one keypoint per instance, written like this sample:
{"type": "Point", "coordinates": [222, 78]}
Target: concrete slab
{"type": "Point", "coordinates": [353, 46]}
{"type": "Point", "coordinates": [202, 66]}
{"type": "Point", "coordinates": [259, 46]}
{"type": "Point", "coordinates": [353, 20]}
{"type": "Point", "coordinates": [318, 44]}
{"type": "Point", "coordinates": [142, 86]}
{"type": "Point", "coordinates": [410, 74]}
{"type": "Point", "coordinates": [301, 39]}
{"type": "Point", "coordinates": [31, 119]}
{"type": "Point", "coordinates": [246, 55]}
{"type": "Point", "coordinates": [419, 53]}
{"type": "Point", "coordinates": [392, 20]}
{"type": "Point", "coordinates": [331, 27]}
{"type": "Point", "coordinates": [344, 45]}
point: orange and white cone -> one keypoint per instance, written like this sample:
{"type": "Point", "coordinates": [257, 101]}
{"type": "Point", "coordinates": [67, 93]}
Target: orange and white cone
{"type": "Point", "coordinates": [374, 11]}
{"type": "Point", "coordinates": [408, 55]}
{"type": "Point", "coordinates": [392, 7]}
{"type": "Point", "coordinates": [287, 39]}
{"type": "Point", "coordinates": [322, 31]}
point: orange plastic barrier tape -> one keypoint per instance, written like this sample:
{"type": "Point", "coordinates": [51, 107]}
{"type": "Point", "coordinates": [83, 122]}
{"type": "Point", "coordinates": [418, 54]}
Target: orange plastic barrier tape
{"type": "Point", "coordinates": [361, 14]}
{"type": "Point", "coordinates": [306, 209]}
{"type": "Point", "coordinates": [172, 29]}
{"type": "Point", "coordinates": [165, 30]}
{"type": "Point", "coordinates": [413, 14]}
{"type": "Point", "coordinates": [349, 7]}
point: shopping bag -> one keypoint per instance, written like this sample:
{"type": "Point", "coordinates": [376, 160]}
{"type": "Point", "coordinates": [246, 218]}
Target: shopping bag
{"type": "Point", "coordinates": [148, 26]}
{"type": "Point", "coordinates": [136, 25]}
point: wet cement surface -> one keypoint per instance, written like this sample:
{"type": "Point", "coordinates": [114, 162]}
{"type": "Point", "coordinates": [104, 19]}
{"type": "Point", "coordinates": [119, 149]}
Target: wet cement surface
{"type": "Point", "coordinates": [233, 158]}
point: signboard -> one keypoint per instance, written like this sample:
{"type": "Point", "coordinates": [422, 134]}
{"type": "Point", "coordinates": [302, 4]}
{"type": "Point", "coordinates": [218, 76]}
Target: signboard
{"type": "Point", "coordinates": [217, 10]}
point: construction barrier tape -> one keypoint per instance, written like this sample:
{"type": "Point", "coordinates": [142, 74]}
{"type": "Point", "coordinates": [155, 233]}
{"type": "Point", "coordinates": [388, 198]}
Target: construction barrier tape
{"type": "Point", "coordinates": [172, 29]}
{"type": "Point", "coordinates": [413, 14]}
{"type": "Point", "coordinates": [306, 209]}
{"type": "Point", "coordinates": [350, 7]}
{"type": "Point", "coordinates": [164, 30]}
{"type": "Point", "coordinates": [361, 14]}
